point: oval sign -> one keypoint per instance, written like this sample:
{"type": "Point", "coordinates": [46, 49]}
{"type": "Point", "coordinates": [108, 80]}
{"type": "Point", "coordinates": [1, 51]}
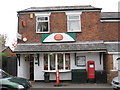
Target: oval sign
{"type": "Point", "coordinates": [58, 37]}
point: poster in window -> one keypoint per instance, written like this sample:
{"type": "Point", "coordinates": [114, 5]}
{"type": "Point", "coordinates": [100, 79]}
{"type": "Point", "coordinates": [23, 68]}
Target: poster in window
{"type": "Point", "coordinates": [67, 57]}
{"type": "Point", "coordinates": [80, 61]}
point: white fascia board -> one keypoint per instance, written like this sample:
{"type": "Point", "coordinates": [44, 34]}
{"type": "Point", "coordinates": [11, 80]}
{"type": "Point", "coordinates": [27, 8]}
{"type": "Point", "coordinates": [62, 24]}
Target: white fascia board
{"type": "Point", "coordinates": [73, 12]}
{"type": "Point", "coordinates": [43, 14]}
{"type": "Point", "coordinates": [60, 52]}
{"type": "Point", "coordinates": [113, 52]}
{"type": "Point", "coordinates": [110, 20]}
{"type": "Point", "coordinates": [114, 42]}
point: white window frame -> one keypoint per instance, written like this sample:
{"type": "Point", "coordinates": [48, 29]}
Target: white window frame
{"type": "Point", "coordinates": [78, 58]}
{"type": "Point", "coordinates": [73, 14]}
{"type": "Point", "coordinates": [56, 63]}
{"type": "Point", "coordinates": [43, 15]}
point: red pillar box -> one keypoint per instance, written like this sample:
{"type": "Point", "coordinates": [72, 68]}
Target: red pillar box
{"type": "Point", "coordinates": [91, 71]}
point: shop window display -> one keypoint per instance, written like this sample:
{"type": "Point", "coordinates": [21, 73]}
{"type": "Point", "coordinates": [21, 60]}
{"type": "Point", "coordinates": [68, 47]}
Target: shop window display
{"type": "Point", "coordinates": [56, 61]}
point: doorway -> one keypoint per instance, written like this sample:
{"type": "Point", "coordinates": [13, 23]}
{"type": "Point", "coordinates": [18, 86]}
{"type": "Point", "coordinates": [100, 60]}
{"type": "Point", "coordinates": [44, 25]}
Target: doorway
{"type": "Point", "coordinates": [31, 67]}
{"type": "Point", "coordinates": [30, 59]}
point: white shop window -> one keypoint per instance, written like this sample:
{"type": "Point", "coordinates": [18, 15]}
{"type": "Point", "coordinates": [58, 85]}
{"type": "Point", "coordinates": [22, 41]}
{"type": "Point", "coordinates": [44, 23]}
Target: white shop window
{"type": "Point", "coordinates": [59, 61]}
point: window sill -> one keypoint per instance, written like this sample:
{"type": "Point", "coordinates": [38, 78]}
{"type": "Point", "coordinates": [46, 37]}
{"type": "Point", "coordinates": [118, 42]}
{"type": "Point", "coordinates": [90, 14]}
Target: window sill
{"type": "Point", "coordinates": [55, 71]}
{"type": "Point", "coordinates": [73, 31]}
{"type": "Point", "coordinates": [42, 32]}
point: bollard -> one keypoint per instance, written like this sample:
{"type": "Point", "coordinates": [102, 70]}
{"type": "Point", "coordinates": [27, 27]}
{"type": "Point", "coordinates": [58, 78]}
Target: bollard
{"type": "Point", "coordinates": [57, 77]}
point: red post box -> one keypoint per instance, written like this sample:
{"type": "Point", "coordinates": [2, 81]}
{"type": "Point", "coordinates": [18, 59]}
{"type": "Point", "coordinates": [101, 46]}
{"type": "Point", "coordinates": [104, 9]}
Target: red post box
{"type": "Point", "coordinates": [91, 69]}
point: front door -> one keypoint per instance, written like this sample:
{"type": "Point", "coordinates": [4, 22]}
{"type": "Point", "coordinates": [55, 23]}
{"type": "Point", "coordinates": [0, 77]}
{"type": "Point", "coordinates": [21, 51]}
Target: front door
{"type": "Point", "coordinates": [31, 67]}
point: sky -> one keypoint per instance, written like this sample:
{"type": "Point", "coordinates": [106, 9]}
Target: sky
{"type": "Point", "coordinates": [9, 8]}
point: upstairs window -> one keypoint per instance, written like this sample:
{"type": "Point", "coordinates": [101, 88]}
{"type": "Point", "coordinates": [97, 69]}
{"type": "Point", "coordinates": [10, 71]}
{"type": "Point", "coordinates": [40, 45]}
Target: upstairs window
{"type": "Point", "coordinates": [73, 21]}
{"type": "Point", "coordinates": [42, 24]}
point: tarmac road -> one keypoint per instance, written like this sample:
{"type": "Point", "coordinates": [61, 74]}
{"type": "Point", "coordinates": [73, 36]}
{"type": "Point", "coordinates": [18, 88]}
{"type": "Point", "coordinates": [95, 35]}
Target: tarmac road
{"type": "Point", "coordinates": [71, 89]}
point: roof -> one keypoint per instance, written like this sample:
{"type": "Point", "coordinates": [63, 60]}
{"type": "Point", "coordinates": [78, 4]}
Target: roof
{"type": "Point", "coordinates": [59, 8]}
{"type": "Point", "coordinates": [110, 15]}
{"type": "Point", "coordinates": [60, 47]}
{"type": "Point", "coordinates": [4, 48]}
{"type": "Point", "coordinates": [113, 47]}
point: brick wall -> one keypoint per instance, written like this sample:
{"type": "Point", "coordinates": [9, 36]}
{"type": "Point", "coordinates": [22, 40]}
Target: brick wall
{"type": "Point", "coordinates": [111, 75]}
{"type": "Point", "coordinates": [90, 22]}
{"type": "Point", "coordinates": [108, 66]}
{"type": "Point", "coordinates": [92, 28]}
{"type": "Point", "coordinates": [108, 62]}
{"type": "Point", "coordinates": [30, 30]}
{"type": "Point", "coordinates": [58, 22]}
{"type": "Point", "coordinates": [109, 31]}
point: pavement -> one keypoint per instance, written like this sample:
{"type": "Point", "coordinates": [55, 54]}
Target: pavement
{"type": "Point", "coordinates": [69, 85]}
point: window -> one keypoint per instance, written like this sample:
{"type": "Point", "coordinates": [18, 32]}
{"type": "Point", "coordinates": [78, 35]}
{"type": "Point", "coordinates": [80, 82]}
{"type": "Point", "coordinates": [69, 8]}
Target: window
{"type": "Point", "coordinates": [80, 61]}
{"type": "Point", "coordinates": [57, 61]}
{"type": "Point", "coordinates": [73, 21]}
{"type": "Point", "coordinates": [60, 61]}
{"type": "Point", "coordinates": [67, 61]}
{"type": "Point", "coordinates": [42, 24]}
{"type": "Point", "coordinates": [52, 61]}
{"type": "Point", "coordinates": [45, 61]}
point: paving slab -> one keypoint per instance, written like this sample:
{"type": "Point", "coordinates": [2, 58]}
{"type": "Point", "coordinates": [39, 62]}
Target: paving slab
{"type": "Point", "coordinates": [69, 85]}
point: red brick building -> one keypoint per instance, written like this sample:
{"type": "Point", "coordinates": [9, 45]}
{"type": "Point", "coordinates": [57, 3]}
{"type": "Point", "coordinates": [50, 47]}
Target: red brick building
{"type": "Point", "coordinates": [65, 39]}
{"type": "Point", "coordinates": [8, 52]}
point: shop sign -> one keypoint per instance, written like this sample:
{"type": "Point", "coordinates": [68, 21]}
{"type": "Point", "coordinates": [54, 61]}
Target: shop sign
{"type": "Point", "coordinates": [59, 37]}
{"type": "Point", "coordinates": [19, 36]}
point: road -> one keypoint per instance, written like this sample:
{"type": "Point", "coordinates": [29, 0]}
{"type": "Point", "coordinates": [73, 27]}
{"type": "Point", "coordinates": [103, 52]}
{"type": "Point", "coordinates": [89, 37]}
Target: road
{"type": "Point", "coordinates": [71, 89]}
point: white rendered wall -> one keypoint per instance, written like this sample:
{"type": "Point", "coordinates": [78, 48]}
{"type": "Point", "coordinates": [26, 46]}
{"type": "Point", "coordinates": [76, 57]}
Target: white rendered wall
{"type": "Point", "coordinates": [23, 69]}
{"type": "Point", "coordinates": [115, 61]}
{"type": "Point", "coordinates": [39, 70]}
{"type": "Point", "coordinates": [89, 56]}
{"type": "Point", "coordinates": [63, 76]}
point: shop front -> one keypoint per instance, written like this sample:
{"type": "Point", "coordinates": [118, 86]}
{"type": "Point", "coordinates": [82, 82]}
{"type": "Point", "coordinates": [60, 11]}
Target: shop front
{"type": "Point", "coordinates": [36, 59]}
